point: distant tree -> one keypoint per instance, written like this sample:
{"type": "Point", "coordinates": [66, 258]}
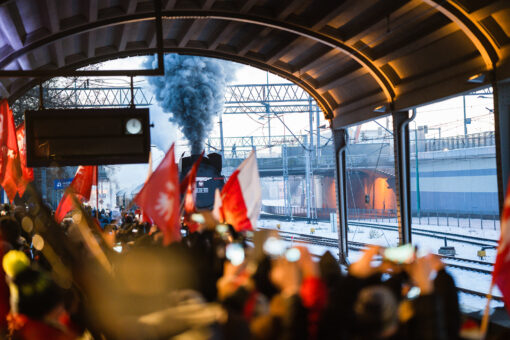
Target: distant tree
{"type": "Point", "coordinates": [51, 99]}
{"type": "Point", "coordinates": [45, 177]}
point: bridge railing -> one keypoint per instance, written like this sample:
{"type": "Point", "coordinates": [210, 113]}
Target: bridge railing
{"type": "Point", "coordinates": [322, 213]}
{"type": "Point", "coordinates": [389, 216]}
{"type": "Point", "coordinates": [274, 161]}
{"type": "Point", "coordinates": [475, 140]}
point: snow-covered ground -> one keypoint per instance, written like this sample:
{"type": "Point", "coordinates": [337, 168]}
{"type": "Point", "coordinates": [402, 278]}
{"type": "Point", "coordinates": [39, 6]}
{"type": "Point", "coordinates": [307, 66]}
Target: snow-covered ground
{"type": "Point", "coordinates": [276, 203]}
{"type": "Point", "coordinates": [389, 238]}
{"type": "Point", "coordinates": [465, 279]}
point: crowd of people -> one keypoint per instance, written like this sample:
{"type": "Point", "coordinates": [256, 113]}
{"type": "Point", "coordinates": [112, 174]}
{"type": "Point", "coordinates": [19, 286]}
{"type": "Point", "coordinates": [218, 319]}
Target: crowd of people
{"type": "Point", "coordinates": [215, 283]}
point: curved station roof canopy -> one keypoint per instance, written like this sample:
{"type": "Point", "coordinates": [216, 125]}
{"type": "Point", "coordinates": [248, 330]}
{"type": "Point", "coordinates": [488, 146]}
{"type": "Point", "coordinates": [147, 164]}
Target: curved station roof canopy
{"type": "Point", "coordinates": [350, 55]}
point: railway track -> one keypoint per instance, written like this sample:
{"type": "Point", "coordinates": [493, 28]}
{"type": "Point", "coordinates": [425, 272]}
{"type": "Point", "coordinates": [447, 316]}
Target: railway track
{"type": "Point", "coordinates": [481, 267]}
{"type": "Point", "coordinates": [451, 237]}
{"type": "Point", "coordinates": [474, 240]}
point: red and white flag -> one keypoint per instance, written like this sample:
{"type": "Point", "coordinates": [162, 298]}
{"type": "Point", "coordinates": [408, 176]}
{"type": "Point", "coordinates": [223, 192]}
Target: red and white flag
{"type": "Point", "coordinates": [27, 173]}
{"type": "Point", "coordinates": [501, 273]}
{"type": "Point", "coordinates": [10, 172]}
{"type": "Point", "coordinates": [241, 196]}
{"type": "Point", "coordinates": [159, 198]}
{"type": "Point", "coordinates": [81, 186]}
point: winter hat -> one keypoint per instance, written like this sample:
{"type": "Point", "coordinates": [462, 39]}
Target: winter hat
{"type": "Point", "coordinates": [33, 292]}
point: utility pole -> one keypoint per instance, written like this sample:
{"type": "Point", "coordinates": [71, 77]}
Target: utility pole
{"type": "Point", "coordinates": [310, 116]}
{"type": "Point", "coordinates": [221, 136]}
{"type": "Point", "coordinates": [465, 119]}
{"type": "Point", "coordinates": [286, 188]}
{"type": "Point", "coordinates": [268, 113]}
{"type": "Point", "coordinates": [308, 183]}
{"type": "Point", "coordinates": [318, 146]}
{"type": "Point", "coordinates": [311, 211]}
{"type": "Point", "coordinates": [418, 203]}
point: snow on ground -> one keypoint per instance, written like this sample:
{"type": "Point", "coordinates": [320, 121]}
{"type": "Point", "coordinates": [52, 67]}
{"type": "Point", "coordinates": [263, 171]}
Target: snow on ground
{"type": "Point", "coordinates": [489, 229]}
{"type": "Point", "coordinates": [389, 238]}
{"type": "Point", "coordinates": [276, 203]}
{"type": "Point", "coordinates": [470, 280]}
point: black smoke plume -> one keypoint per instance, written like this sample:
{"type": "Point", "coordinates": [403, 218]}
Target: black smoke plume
{"type": "Point", "coordinates": [193, 91]}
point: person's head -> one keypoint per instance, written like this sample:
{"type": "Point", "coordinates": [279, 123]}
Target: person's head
{"type": "Point", "coordinates": [6, 208]}
{"type": "Point", "coordinates": [376, 312]}
{"type": "Point", "coordinates": [33, 292]}
{"type": "Point", "coordinates": [128, 219]}
{"type": "Point", "coordinates": [10, 231]}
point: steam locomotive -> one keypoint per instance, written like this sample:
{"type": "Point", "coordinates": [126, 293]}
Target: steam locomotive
{"type": "Point", "coordinates": [209, 177]}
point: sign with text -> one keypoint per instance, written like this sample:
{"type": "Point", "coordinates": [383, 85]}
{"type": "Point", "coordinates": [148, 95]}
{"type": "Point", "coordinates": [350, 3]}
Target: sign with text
{"type": "Point", "coordinates": [61, 184]}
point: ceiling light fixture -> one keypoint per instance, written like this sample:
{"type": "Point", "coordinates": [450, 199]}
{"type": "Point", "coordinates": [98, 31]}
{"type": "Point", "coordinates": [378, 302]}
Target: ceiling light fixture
{"type": "Point", "coordinates": [477, 78]}
{"type": "Point", "coordinates": [380, 109]}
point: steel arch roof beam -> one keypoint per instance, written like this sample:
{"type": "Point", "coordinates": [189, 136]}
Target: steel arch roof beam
{"type": "Point", "coordinates": [380, 77]}
{"type": "Point", "coordinates": [20, 49]}
{"type": "Point", "coordinates": [323, 104]}
{"type": "Point", "coordinates": [471, 28]}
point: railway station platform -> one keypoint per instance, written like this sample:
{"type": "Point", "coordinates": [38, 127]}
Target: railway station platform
{"type": "Point", "coordinates": [402, 185]}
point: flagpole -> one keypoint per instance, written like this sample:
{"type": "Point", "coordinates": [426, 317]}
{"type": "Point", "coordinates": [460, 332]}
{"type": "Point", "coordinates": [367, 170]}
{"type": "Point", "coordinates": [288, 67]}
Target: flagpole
{"type": "Point", "coordinates": [97, 192]}
{"type": "Point", "coordinates": [486, 315]}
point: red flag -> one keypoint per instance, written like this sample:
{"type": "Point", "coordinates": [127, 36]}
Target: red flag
{"type": "Point", "coordinates": [95, 175]}
{"type": "Point", "coordinates": [27, 173]}
{"type": "Point", "coordinates": [188, 184]}
{"type": "Point", "coordinates": [159, 198]}
{"type": "Point", "coordinates": [501, 273]}
{"type": "Point", "coordinates": [241, 196]}
{"type": "Point", "coordinates": [81, 186]}
{"type": "Point", "coordinates": [190, 179]}
{"type": "Point", "coordinates": [95, 181]}
{"type": "Point", "coordinates": [10, 172]}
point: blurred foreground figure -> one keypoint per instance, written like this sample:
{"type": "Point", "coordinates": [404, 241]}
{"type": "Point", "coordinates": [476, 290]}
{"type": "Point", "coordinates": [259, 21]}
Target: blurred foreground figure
{"type": "Point", "coordinates": [214, 283]}
{"type": "Point", "coordinates": [37, 303]}
{"type": "Point", "coordinates": [417, 301]}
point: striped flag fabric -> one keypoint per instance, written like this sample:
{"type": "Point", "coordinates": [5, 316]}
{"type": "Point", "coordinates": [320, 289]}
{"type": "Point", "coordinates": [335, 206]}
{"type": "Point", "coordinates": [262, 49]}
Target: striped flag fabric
{"type": "Point", "coordinates": [241, 196]}
{"type": "Point", "coordinates": [501, 273]}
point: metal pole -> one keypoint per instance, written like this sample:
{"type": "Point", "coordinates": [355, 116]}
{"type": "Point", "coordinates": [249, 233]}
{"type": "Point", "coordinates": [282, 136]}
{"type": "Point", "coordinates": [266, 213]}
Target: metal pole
{"type": "Point", "coordinates": [221, 136]}
{"type": "Point", "coordinates": [340, 144]}
{"type": "Point", "coordinates": [268, 112]}
{"type": "Point", "coordinates": [307, 183]}
{"type": "Point", "coordinates": [418, 202]}
{"type": "Point", "coordinates": [132, 104]}
{"type": "Point", "coordinates": [317, 117]}
{"type": "Point", "coordinates": [464, 106]}
{"type": "Point", "coordinates": [402, 173]}
{"type": "Point", "coordinates": [310, 117]}
{"type": "Point", "coordinates": [313, 211]}
{"type": "Point", "coordinates": [286, 189]}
